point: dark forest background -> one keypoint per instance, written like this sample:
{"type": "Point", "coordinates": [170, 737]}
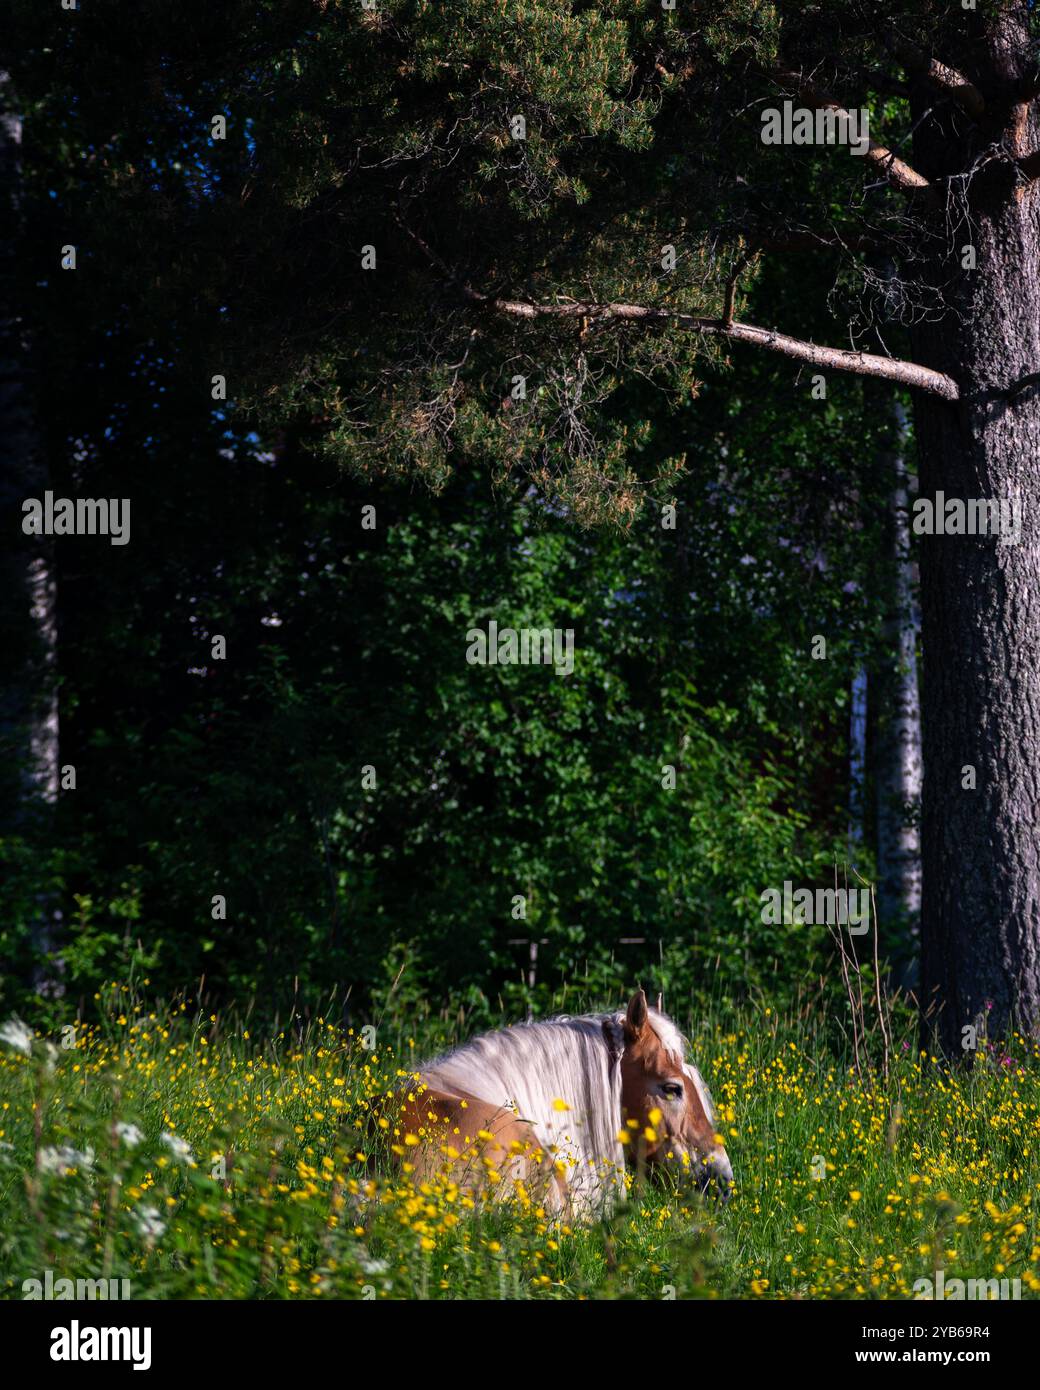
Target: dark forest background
{"type": "Point", "coordinates": [244, 777]}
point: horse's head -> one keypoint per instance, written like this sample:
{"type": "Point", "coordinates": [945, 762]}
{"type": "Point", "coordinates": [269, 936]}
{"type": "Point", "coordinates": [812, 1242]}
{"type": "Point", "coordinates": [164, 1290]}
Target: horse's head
{"type": "Point", "coordinates": [667, 1106]}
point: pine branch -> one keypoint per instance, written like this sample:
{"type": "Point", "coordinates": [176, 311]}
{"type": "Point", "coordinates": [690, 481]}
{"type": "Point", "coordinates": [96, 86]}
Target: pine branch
{"type": "Point", "coordinates": [867, 364]}
{"type": "Point", "coordinates": [839, 359]}
{"type": "Point", "coordinates": [898, 173]}
{"type": "Point", "coordinates": [937, 74]}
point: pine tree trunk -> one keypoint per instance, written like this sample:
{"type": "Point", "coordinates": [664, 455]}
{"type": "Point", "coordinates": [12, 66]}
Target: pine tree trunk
{"type": "Point", "coordinates": [981, 600]}
{"type": "Point", "coordinates": [898, 740]}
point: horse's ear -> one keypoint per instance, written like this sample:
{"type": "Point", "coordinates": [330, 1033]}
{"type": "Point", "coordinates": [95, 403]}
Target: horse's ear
{"type": "Point", "coordinates": [635, 1017]}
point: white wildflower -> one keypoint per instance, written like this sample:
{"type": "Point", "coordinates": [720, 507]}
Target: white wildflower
{"type": "Point", "coordinates": [65, 1159]}
{"type": "Point", "coordinates": [149, 1223]}
{"type": "Point", "coordinates": [180, 1148]}
{"type": "Point", "coordinates": [18, 1035]}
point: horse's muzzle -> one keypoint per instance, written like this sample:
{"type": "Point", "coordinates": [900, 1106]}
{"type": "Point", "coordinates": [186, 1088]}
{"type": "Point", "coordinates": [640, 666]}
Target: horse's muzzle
{"type": "Point", "coordinates": [715, 1176]}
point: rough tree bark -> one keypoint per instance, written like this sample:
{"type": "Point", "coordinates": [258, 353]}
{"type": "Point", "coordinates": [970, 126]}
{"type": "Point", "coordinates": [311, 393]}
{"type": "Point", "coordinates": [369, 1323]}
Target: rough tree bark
{"type": "Point", "coordinates": [981, 600]}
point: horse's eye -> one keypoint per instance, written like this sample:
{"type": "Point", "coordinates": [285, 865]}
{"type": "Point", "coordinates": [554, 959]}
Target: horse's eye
{"type": "Point", "coordinates": [672, 1089]}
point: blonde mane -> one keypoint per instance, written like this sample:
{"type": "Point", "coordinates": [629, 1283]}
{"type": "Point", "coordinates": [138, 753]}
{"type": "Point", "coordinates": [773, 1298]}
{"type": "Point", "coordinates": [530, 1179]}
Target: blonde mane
{"type": "Point", "coordinates": [532, 1067]}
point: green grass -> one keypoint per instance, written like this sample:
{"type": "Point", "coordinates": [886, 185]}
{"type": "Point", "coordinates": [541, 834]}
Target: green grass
{"type": "Point", "coordinates": [846, 1187]}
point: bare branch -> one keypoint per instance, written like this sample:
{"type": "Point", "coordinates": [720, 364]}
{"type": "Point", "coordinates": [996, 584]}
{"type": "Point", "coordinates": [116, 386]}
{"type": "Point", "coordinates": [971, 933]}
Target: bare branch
{"type": "Point", "coordinates": [748, 258]}
{"type": "Point", "coordinates": [895, 170]}
{"type": "Point", "coordinates": [798, 241]}
{"type": "Point", "coordinates": [839, 359]}
{"type": "Point", "coordinates": [938, 74]}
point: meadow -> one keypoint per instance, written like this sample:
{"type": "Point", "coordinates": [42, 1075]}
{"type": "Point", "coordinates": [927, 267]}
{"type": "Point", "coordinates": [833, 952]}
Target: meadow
{"type": "Point", "coordinates": [174, 1148]}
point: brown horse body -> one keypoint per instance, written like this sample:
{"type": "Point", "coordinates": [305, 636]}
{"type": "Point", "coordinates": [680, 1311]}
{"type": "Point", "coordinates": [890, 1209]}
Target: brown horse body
{"type": "Point", "coordinates": [475, 1144]}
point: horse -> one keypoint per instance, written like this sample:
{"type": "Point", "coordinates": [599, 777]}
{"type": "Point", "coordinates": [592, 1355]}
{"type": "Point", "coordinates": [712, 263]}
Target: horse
{"type": "Point", "coordinates": [560, 1109]}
